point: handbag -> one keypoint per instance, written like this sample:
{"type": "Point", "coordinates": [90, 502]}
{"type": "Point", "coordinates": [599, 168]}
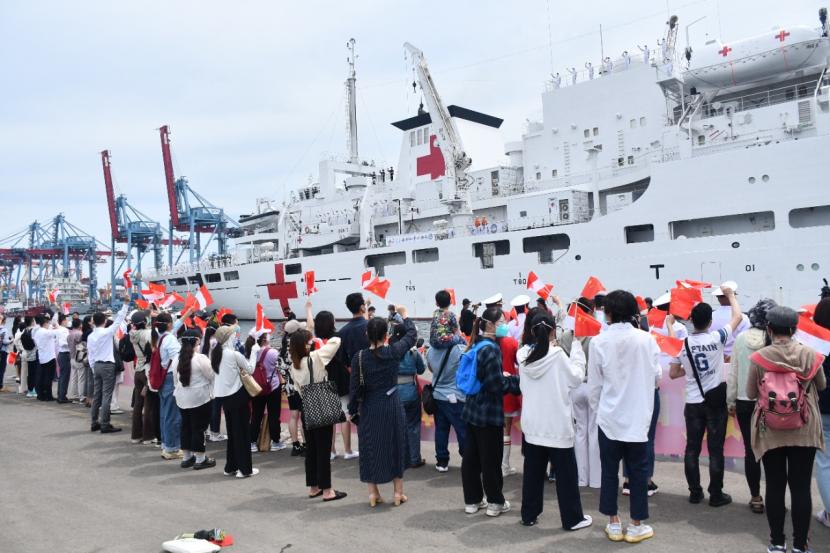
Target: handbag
{"type": "Point", "coordinates": [427, 397]}
{"type": "Point", "coordinates": [249, 383]}
{"type": "Point", "coordinates": [321, 404]}
{"type": "Point", "coordinates": [714, 398]}
{"type": "Point", "coordinates": [263, 442]}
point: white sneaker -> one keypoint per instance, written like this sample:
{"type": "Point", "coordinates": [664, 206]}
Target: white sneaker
{"type": "Point", "coordinates": [636, 534]}
{"type": "Point", "coordinates": [507, 471]}
{"type": "Point", "coordinates": [277, 446]}
{"type": "Point", "coordinates": [614, 531]}
{"type": "Point", "coordinates": [474, 508]}
{"type": "Point", "coordinates": [333, 456]}
{"type": "Point", "coordinates": [494, 509]}
{"type": "Point", "coordinates": [353, 455]}
{"type": "Point", "coordinates": [442, 468]}
{"type": "Point", "coordinates": [254, 472]}
{"type": "Point", "coordinates": [823, 517]}
{"type": "Point", "coordinates": [585, 523]}
{"type": "Point", "coordinates": [254, 448]}
{"type": "Point", "coordinates": [116, 411]}
{"type": "Point", "coordinates": [217, 437]}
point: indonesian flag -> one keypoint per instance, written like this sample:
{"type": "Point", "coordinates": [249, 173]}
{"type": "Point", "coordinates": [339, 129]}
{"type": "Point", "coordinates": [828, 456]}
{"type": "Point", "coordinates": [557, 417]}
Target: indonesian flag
{"type": "Point", "coordinates": [128, 283]}
{"type": "Point", "coordinates": [451, 292]}
{"type": "Point", "coordinates": [668, 345]}
{"type": "Point", "coordinates": [570, 318]}
{"type": "Point", "coordinates": [152, 295]}
{"type": "Point", "coordinates": [365, 278]}
{"type": "Point", "coordinates": [142, 304]}
{"type": "Point", "coordinates": [592, 288]}
{"type": "Point", "coordinates": [683, 300]}
{"type": "Point", "coordinates": [688, 283]}
{"type": "Point", "coordinates": [200, 322]}
{"type": "Point", "coordinates": [12, 358]}
{"type": "Point", "coordinates": [813, 335]}
{"type": "Point", "coordinates": [53, 295]}
{"type": "Point", "coordinates": [262, 323]}
{"type": "Point", "coordinates": [203, 297]}
{"type": "Point", "coordinates": [170, 299]}
{"type": "Point", "coordinates": [535, 283]}
{"type": "Point", "coordinates": [585, 324]}
{"type": "Point", "coordinates": [377, 285]}
{"type": "Point", "coordinates": [657, 318]}
{"type": "Point", "coordinates": [66, 307]}
{"type": "Point", "coordinates": [808, 310]}
{"type": "Point", "coordinates": [309, 283]}
{"type": "Point", "coordinates": [641, 303]}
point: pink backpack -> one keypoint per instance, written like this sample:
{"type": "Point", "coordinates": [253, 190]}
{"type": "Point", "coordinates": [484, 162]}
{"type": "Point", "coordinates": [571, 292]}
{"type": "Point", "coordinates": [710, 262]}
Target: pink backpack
{"type": "Point", "coordinates": [782, 395]}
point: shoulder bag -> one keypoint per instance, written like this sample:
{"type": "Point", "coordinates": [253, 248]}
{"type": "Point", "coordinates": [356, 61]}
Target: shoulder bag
{"type": "Point", "coordinates": [714, 398]}
{"type": "Point", "coordinates": [251, 385]}
{"type": "Point", "coordinates": [427, 397]}
{"type": "Point", "coordinates": [321, 404]}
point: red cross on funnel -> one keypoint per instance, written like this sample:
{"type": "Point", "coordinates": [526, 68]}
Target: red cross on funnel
{"type": "Point", "coordinates": [432, 164]}
{"type": "Point", "coordinates": [282, 290]}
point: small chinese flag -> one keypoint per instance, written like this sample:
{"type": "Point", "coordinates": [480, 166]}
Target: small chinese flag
{"type": "Point", "coordinates": [222, 312]}
{"type": "Point", "coordinates": [309, 283]}
{"type": "Point", "coordinates": [592, 288]}
{"type": "Point", "coordinates": [688, 283]}
{"type": "Point", "coordinates": [683, 300]}
{"type": "Point", "coordinates": [200, 322]}
{"type": "Point", "coordinates": [128, 283]}
{"type": "Point", "coordinates": [668, 345]}
{"type": "Point", "coordinates": [378, 286]}
{"type": "Point", "coordinates": [641, 303]}
{"type": "Point", "coordinates": [66, 307]}
{"type": "Point", "coordinates": [657, 318]}
{"type": "Point", "coordinates": [142, 304]}
{"type": "Point", "coordinates": [585, 324]}
{"type": "Point", "coordinates": [451, 292]}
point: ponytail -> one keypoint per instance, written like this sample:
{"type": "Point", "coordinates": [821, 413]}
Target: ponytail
{"type": "Point", "coordinates": [216, 357]}
{"type": "Point", "coordinates": [185, 358]}
{"type": "Point", "coordinates": [490, 315]}
{"type": "Point", "coordinates": [540, 328]}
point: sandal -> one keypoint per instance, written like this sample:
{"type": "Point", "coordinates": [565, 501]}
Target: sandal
{"type": "Point", "coordinates": [337, 495]}
{"type": "Point", "coordinates": [374, 500]}
{"type": "Point", "coordinates": [317, 494]}
{"type": "Point", "coordinates": [757, 505]}
{"type": "Point", "coordinates": [400, 499]}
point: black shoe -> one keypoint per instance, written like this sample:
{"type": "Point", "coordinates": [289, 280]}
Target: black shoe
{"type": "Point", "coordinates": [109, 429]}
{"type": "Point", "coordinates": [529, 522]}
{"type": "Point", "coordinates": [186, 464]}
{"type": "Point", "coordinates": [95, 427]}
{"type": "Point", "coordinates": [418, 465]}
{"type": "Point", "coordinates": [296, 450]}
{"type": "Point", "coordinates": [62, 401]}
{"type": "Point", "coordinates": [302, 450]}
{"type": "Point", "coordinates": [720, 500]}
{"type": "Point", "coordinates": [696, 497]}
{"type": "Point", "coordinates": [206, 464]}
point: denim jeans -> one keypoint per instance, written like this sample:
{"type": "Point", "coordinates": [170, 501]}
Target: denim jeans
{"type": "Point", "coordinates": [448, 414]}
{"type": "Point", "coordinates": [635, 454]}
{"type": "Point", "coordinates": [701, 418]}
{"type": "Point", "coordinates": [171, 418]}
{"type": "Point", "coordinates": [412, 411]}
{"type": "Point", "coordinates": [823, 464]}
{"type": "Point", "coordinates": [652, 431]}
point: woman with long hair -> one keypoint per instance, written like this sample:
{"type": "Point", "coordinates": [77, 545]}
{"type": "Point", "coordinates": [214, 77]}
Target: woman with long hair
{"type": "Point", "coordinates": [193, 379]}
{"type": "Point", "coordinates": [266, 359]}
{"type": "Point", "coordinates": [318, 440]}
{"type": "Point", "coordinates": [547, 377]}
{"type": "Point", "coordinates": [214, 434]}
{"type": "Point", "coordinates": [228, 364]}
{"type": "Point", "coordinates": [17, 326]}
{"type": "Point", "coordinates": [484, 418]}
{"type": "Point", "coordinates": [382, 428]}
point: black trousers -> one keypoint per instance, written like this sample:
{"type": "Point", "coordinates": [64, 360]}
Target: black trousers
{"type": "Point", "coordinates": [535, 478]}
{"type": "Point", "coordinates": [791, 466]}
{"type": "Point", "coordinates": [481, 464]}
{"type": "Point", "coordinates": [194, 423]}
{"type": "Point", "coordinates": [153, 403]}
{"type": "Point", "coordinates": [317, 460]}
{"type": "Point", "coordinates": [258, 406]}
{"type": "Point", "coordinates": [237, 419]}
{"type": "Point", "coordinates": [33, 371]}
{"type": "Point", "coordinates": [701, 419]}
{"type": "Point", "coordinates": [142, 417]}
{"type": "Point", "coordinates": [45, 377]}
{"type": "Point", "coordinates": [752, 468]}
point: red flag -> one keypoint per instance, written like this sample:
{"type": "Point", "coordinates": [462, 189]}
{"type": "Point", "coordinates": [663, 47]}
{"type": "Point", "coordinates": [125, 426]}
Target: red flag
{"type": "Point", "coordinates": [157, 288]}
{"type": "Point", "coordinates": [585, 324]}
{"type": "Point", "coordinates": [641, 303]}
{"type": "Point", "coordinates": [668, 345]}
{"type": "Point", "coordinates": [66, 307]}
{"type": "Point", "coordinates": [535, 283]}
{"type": "Point", "coordinates": [12, 358]}
{"type": "Point", "coordinates": [222, 312]}
{"type": "Point", "coordinates": [309, 283]}
{"type": "Point", "coordinates": [570, 319]}
{"type": "Point", "coordinates": [809, 310]}
{"type": "Point", "coordinates": [379, 286]}
{"type": "Point", "coordinates": [142, 304]}
{"type": "Point", "coordinates": [262, 323]}
{"type": "Point", "coordinates": [188, 323]}
{"type": "Point", "coordinates": [510, 315]}
{"type": "Point", "coordinates": [203, 297]}
{"type": "Point", "coordinates": [365, 278]}
{"type": "Point", "coordinates": [170, 299]}
{"type": "Point", "coordinates": [688, 283]}
{"type": "Point", "coordinates": [200, 322]}
{"type": "Point", "coordinates": [683, 300]}
{"type": "Point", "coordinates": [656, 318]}
{"type": "Point", "coordinates": [190, 302]}
{"type": "Point", "coordinates": [152, 295]}
{"type": "Point", "coordinates": [128, 283]}
{"type": "Point", "coordinates": [119, 333]}
{"type": "Point", "coordinates": [53, 295]}
{"type": "Point", "coordinates": [451, 292]}
{"type": "Point", "coordinates": [592, 288]}
{"type": "Point", "coordinates": [813, 335]}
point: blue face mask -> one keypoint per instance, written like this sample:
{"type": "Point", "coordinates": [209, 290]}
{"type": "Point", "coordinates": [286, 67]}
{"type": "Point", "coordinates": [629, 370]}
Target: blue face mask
{"type": "Point", "coordinates": [501, 330]}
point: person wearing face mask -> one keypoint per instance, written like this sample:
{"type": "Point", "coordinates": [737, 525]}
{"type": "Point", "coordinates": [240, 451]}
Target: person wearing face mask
{"type": "Point", "coordinates": [170, 418]}
{"type": "Point", "coordinates": [599, 309]}
{"type": "Point", "coordinates": [483, 415]}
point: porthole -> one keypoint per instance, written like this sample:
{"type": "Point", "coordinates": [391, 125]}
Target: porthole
{"type": "Point", "coordinates": [751, 180]}
{"type": "Point", "coordinates": [736, 245]}
{"type": "Point", "coordinates": [578, 257]}
{"type": "Point", "coordinates": [815, 266]}
{"type": "Point", "coordinates": [765, 178]}
{"type": "Point", "coordinates": [799, 267]}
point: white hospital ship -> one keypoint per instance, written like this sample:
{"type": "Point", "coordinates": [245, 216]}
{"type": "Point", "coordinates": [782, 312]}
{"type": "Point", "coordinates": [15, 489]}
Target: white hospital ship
{"type": "Point", "coordinates": [704, 163]}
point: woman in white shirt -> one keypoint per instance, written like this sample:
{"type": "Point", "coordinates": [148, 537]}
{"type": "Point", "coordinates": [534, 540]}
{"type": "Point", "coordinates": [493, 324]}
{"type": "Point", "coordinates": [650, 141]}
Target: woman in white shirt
{"type": "Point", "coordinates": [547, 376]}
{"type": "Point", "coordinates": [227, 363]}
{"type": "Point", "coordinates": [193, 388]}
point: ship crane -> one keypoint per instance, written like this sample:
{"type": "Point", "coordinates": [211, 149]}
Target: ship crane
{"type": "Point", "coordinates": [191, 213]}
{"type": "Point", "coordinates": [456, 184]}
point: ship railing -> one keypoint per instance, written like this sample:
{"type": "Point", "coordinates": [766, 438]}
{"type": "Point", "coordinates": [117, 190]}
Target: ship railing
{"type": "Point", "coordinates": [759, 99]}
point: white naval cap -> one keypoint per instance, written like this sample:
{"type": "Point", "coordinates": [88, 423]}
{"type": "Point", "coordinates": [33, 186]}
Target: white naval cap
{"type": "Point", "coordinates": [497, 298]}
{"type": "Point", "coordinates": [728, 284]}
{"type": "Point", "coordinates": [665, 299]}
{"type": "Point", "coordinates": [520, 300]}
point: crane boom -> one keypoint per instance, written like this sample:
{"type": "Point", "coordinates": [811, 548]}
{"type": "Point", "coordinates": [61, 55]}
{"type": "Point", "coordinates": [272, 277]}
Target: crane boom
{"type": "Point", "coordinates": [105, 161]}
{"type": "Point", "coordinates": [169, 177]}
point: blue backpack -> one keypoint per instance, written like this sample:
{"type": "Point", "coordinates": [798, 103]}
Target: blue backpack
{"type": "Point", "coordinates": [466, 378]}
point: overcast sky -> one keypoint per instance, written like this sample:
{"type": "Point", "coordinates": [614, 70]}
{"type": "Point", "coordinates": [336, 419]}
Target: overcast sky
{"type": "Point", "coordinates": [253, 91]}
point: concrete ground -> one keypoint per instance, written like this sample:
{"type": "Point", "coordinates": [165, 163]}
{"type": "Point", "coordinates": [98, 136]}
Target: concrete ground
{"type": "Point", "coordinates": [66, 489]}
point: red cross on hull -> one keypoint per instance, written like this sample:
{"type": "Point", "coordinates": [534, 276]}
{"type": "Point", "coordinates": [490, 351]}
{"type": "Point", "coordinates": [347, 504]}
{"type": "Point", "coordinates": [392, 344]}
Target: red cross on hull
{"type": "Point", "coordinates": [282, 290]}
{"type": "Point", "coordinates": [725, 50]}
{"type": "Point", "coordinates": [782, 36]}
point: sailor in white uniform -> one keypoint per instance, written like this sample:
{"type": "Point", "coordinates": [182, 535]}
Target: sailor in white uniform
{"type": "Point", "coordinates": [722, 315]}
{"type": "Point", "coordinates": [590, 69]}
{"type": "Point", "coordinates": [515, 328]}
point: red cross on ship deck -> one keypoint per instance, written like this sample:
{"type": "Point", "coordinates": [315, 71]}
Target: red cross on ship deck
{"type": "Point", "coordinates": [282, 290]}
{"type": "Point", "coordinates": [782, 35]}
{"type": "Point", "coordinates": [725, 50]}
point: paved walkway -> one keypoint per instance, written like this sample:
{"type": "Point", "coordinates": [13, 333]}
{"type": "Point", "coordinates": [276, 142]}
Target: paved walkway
{"type": "Point", "coordinates": [65, 489]}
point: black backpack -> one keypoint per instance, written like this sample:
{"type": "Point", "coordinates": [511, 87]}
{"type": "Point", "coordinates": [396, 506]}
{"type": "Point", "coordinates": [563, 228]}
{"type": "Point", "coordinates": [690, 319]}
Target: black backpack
{"type": "Point", "coordinates": [339, 374]}
{"type": "Point", "coordinates": [126, 351]}
{"type": "Point", "coordinates": [27, 341]}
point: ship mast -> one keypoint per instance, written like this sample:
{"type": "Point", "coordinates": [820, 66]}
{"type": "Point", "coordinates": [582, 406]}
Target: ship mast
{"type": "Point", "coordinates": [352, 107]}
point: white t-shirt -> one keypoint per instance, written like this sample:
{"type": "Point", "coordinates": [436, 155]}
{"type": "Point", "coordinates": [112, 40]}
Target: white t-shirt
{"type": "Point", "coordinates": [707, 353]}
{"type": "Point", "coordinates": [720, 318]}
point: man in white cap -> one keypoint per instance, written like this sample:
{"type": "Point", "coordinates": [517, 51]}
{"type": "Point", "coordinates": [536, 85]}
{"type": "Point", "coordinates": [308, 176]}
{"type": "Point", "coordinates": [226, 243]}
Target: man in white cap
{"type": "Point", "coordinates": [496, 299]}
{"type": "Point", "coordinates": [516, 327]}
{"type": "Point", "coordinates": [723, 314]}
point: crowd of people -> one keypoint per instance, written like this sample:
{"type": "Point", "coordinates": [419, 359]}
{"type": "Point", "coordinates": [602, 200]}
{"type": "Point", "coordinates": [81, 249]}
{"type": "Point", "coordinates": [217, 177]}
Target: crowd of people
{"type": "Point", "coordinates": [588, 403]}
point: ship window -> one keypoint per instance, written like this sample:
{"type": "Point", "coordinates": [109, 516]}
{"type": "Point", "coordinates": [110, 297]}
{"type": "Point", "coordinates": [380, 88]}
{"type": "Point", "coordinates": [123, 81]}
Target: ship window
{"type": "Point", "coordinates": [631, 160]}
{"type": "Point", "coordinates": [177, 281]}
{"type": "Point", "coordinates": [596, 131]}
{"type": "Point", "coordinates": [554, 173]}
{"type": "Point", "coordinates": [538, 175]}
{"type": "Point", "coordinates": [194, 280]}
{"type": "Point", "coordinates": [816, 216]}
{"type": "Point", "coordinates": [587, 133]}
{"type": "Point", "coordinates": [633, 123]}
{"type": "Point", "coordinates": [381, 261]}
{"type": "Point", "coordinates": [636, 234]}
{"type": "Point", "coordinates": [718, 226]}
{"type": "Point", "coordinates": [620, 161]}
{"type": "Point", "coordinates": [231, 275]}
{"type": "Point", "coordinates": [411, 138]}
{"type": "Point", "coordinates": [213, 277]}
{"type": "Point", "coordinates": [701, 140]}
{"type": "Point", "coordinates": [545, 245]}
{"type": "Point", "coordinates": [523, 214]}
{"type": "Point", "coordinates": [487, 251]}
{"type": "Point", "coordinates": [642, 121]}
{"type": "Point", "coordinates": [293, 268]}
{"type": "Point", "coordinates": [427, 255]}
